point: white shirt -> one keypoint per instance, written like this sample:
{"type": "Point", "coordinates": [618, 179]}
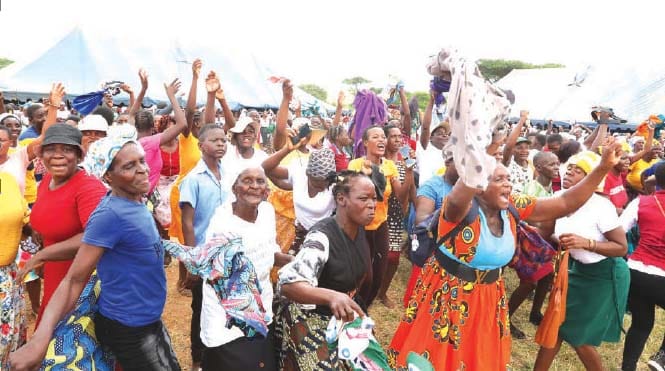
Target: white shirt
{"type": "Point", "coordinates": [16, 165]}
{"type": "Point", "coordinates": [597, 216]}
{"type": "Point", "coordinates": [430, 160]}
{"type": "Point", "coordinates": [309, 210]}
{"type": "Point", "coordinates": [260, 246]}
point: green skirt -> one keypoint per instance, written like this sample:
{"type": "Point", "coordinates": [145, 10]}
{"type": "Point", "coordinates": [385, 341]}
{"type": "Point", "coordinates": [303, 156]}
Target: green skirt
{"type": "Point", "coordinates": [596, 302]}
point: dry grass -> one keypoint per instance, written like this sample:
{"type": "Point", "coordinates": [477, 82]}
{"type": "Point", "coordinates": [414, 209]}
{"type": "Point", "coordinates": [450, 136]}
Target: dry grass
{"type": "Point", "coordinates": [177, 316]}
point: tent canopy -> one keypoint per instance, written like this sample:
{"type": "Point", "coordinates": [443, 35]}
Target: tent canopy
{"type": "Point", "coordinates": [83, 63]}
{"type": "Point", "coordinates": [568, 95]}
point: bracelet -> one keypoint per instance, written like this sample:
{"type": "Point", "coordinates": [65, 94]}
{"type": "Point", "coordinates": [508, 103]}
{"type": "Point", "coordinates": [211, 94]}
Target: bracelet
{"type": "Point", "coordinates": [595, 246]}
{"type": "Point", "coordinates": [52, 105]}
{"type": "Point", "coordinates": [589, 244]}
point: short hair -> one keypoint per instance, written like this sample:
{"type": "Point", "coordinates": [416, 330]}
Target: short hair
{"type": "Point", "coordinates": [387, 128]}
{"type": "Point", "coordinates": [541, 156]}
{"type": "Point", "coordinates": [365, 133]}
{"type": "Point", "coordinates": [206, 129]}
{"type": "Point", "coordinates": [106, 113]}
{"type": "Point", "coordinates": [30, 111]}
{"type": "Point", "coordinates": [659, 172]}
{"type": "Point", "coordinates": [541, 139]}
{"type": "Point", "coordinates": [568, 149]}
{"type": "Point", "coordinates": [74, 118]}
{"type": "Point", "coordinates": [554, 138]}
{"type": "Point", "coordinates": [143, 120]}
{"type": "Point", "coordinates": [343, 182]}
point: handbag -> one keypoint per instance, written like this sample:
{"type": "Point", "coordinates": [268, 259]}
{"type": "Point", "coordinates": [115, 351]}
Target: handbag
{"type": "Point", "coordinates": [548, 331]}
{"type": "Point", "coordinates": [532, 251]}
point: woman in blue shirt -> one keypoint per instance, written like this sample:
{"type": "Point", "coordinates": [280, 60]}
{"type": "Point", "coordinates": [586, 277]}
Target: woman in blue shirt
{"type": "Point", "coordinates": [122, 242]}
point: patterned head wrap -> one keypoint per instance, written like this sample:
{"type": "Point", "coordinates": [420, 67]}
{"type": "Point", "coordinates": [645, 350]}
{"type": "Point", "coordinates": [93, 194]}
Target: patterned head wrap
{"type": "Point", "coordinates": [321, 163]}
{"type": "Point", "coordinates": [102, 152]}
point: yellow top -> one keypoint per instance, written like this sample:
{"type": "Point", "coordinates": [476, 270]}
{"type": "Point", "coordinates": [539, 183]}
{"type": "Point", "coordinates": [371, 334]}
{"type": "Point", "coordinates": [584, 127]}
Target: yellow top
{"type": "Point", "coordinates": [30, 193]}
{"type": "Point", "coordinates": [390, 171]}
{"type": "Point", "coordinates": [636, 170]}
{"type": "Point", "coordinates": [14, 215]}
{"type": "Point", "coordinates": [189, 156]}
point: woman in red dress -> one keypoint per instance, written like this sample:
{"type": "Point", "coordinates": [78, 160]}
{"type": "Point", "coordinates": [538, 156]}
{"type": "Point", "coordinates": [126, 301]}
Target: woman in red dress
{"type": "Point", "coordinates": [65, 199]}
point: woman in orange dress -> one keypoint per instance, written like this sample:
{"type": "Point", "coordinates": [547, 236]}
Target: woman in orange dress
{"type": "Point", "coordinates": [457, 317]}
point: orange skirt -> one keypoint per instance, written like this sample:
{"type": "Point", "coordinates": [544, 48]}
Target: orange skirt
{"type": "Point", "coordinates": [456, 325]}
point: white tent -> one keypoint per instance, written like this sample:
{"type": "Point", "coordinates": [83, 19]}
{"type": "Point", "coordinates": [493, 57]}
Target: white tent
{"type": "Point", "coordinates": [568, 95]}
{"type": "Point", "coordinates": [83, 62]}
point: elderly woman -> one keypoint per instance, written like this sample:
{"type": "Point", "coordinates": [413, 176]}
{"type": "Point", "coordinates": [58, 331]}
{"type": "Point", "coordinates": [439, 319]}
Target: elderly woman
{"type": "Point", "coordinates": [65, 199]}
{"type": "Point", "coordinates": [598, 277]}
{"type": "Point", "coordinates": [374, 140]}
{"type": "Point", "coordinates": [458, 314]}
{"type": "Point", "coordinates": [324, 278]}
{"type": "Point", "coordinates": [122, 242]}
{"type": "Point", "coordinates": [312, 198]}
{"type": "Point", "coordinates": [228, 330]}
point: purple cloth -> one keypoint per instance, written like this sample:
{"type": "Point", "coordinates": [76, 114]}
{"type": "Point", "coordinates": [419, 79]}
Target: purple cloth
{"type": "Point", "coordinates": [370, 110]}
{"type": "Point", "coordinates": [440, 86]}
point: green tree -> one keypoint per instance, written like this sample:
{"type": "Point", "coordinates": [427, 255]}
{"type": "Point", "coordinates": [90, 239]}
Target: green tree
{"type": "Point", "coordinates": [495, 69]}
{"type": "Point", "coordinates": [4, 62]}
{"type": "Point", "coordinates": [421, 96]}
{"type": "Point", "coordinates": [355, 81]}
{"type": "Point", "coordinates": [315, 91]}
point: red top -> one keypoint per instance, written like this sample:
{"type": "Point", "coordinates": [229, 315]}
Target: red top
{"type": "Point", "coordinates": [341, 158]}
{"type": "Point", "coordinates": [171, 161]}
{"type": "Point", "coordinates": [615, 190]}
{"type": "Point", "coordinates": [59, 215]}
{"type": "Point", "coordinates": [651, 248]}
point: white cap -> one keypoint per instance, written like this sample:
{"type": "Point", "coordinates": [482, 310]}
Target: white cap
{"type": "Point", "coordinates": [241, 124]}
{"type": "Point", "coordinates": [93, 122]}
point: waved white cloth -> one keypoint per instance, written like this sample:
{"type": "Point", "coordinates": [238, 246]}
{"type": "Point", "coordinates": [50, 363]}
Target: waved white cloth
{"type": "Point", "coordinates": [475, 109]}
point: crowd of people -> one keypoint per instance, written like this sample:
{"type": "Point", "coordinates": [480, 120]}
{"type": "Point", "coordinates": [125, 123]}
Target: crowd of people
{"type": "Point", "coordinates": [288, 227]}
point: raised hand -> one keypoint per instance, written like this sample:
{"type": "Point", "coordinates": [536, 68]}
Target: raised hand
{"type": "Point", "coordinates": [196, 67]}
{"type": "Point", "coordinates": [524, 115]}
{"type": "Point", "coordinates": [56, 94]}
{"type": "Point", "coordinates": [340, 98]}
{"type": "Point", "coordinates": [127, 89]}
{"type": "Point", "coordinates": [172, 88]}
{"type": "Point", "coordinates": [143, 76]}
{"type": "Point", "coordinates": [287, 90]}
{"type": "Point", "coordinates": [212, 82]}
{"type": "Point", "coordinates": [611, 153]}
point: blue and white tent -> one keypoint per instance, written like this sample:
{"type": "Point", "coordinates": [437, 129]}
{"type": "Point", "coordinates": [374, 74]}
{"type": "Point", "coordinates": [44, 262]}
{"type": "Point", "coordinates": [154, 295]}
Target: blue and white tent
{"type": "Point", "coordinates": [83, 63]}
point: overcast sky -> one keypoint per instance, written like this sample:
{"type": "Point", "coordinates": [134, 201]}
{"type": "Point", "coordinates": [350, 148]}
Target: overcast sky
{"type": "Point", "coordinates": [324, 42]}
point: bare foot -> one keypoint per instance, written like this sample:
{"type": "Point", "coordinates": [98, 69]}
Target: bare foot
{"type": "Point", "coordinates": [387, 302]}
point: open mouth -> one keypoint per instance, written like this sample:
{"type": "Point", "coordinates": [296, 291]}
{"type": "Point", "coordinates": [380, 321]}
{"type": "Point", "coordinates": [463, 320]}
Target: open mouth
{"type": "Point", "coordinates": [504, 196]}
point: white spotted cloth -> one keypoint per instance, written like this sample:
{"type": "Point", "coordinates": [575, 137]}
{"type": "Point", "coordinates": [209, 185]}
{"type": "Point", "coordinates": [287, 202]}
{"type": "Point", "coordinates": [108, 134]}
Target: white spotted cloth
{"type": "Point", "coordinates": [475, 109]}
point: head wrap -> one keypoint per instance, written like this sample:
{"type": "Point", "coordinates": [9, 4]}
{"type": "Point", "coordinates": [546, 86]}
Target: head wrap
{"type": "Point", "coordinates": [102, 152]}
{"type": "Point", "coordinates": [586, 161]}
{"type": "Point", "coordinates": [5, 115]}
{"type": "Point", "coordinates": [321, 163]}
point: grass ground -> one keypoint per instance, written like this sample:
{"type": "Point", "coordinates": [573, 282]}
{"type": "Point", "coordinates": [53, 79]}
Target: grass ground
{"type": "Point", "coordinates": [177, 316]}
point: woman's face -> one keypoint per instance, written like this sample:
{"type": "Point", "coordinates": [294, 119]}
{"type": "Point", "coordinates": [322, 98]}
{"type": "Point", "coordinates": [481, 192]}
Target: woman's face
{"type": "Point", "coordinates": [394, 140]}
{"type": "Point", "coordinates": [61, 160]}
{"type": "Point", "coordinates": [521, 152]}
{"type": "Point", "coordinates": [14, 126]}
{"type": "Point", "coordinates": [574, 174]}
{"type": "Point", "coordinates": [439, 137]}
{"type": "Point", "coordinates": [497, 194]}
{"type": "Point", "coordinates": [247, 138]}
{"type": "Point", "coordinates": [623, 164]}
{"type": "Point", "coordinates": [5, 142]}
{"type": "Point", "coordinates": [360, 203]}
{"type": "Point", "coordinates": [376, 142]}
{"type": "Point", "coordinates": [639, 145]}
{"type": "Point", "coordinates": [317, 184]}
{"type": "Point", "coordinates": [90, 136]}
{"type": "Point", "coordinates": [250, 188]}
{"type": "Point", "coordinates": [129, 173]}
